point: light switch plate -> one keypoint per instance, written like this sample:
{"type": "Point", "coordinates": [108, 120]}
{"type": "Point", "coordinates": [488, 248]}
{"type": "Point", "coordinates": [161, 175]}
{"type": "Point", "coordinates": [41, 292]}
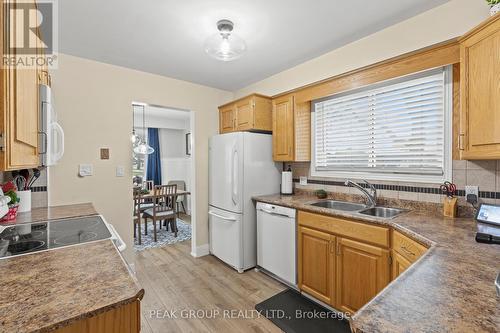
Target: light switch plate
{"type": "Point", "coordinates": [303, 180]}
{"type": "Point", "coordinates": [120, 171]}
{"type": "Point", "coordinates": [85, 170]}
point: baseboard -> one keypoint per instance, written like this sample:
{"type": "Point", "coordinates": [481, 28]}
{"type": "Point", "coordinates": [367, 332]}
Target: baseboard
{"type": "Point", "coordinates": [200, 251]}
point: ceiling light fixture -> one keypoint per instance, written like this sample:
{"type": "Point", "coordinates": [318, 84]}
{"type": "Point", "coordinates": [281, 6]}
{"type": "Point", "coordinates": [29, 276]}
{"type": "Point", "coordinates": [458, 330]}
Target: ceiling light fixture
{"type": "Point", "coordinates": [225, 45]}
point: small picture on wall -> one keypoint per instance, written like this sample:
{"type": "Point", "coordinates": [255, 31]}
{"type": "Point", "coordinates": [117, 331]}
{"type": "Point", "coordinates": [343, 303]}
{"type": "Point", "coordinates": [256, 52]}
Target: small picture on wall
{"type": "Point", "coordinates": [188, 144]}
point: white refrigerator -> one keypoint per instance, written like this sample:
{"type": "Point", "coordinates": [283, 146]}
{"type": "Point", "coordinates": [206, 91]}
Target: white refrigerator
{"type": "Point", "coordinates": [240, 166]}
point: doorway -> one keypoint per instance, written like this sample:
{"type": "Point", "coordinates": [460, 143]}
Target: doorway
{"type": "Point", "coordinates": [162, 163]}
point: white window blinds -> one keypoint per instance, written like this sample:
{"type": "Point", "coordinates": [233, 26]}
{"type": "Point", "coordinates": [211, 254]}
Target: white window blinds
{"type": "Point", "coordinates": [393, 127]}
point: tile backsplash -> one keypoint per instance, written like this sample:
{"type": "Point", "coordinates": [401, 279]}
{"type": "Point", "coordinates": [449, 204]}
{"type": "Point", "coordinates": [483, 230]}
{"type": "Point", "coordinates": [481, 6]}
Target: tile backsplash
{"type": "Point", "coordinates": [485, 174]}
{"type": "Point", "coordinates": [39, 194]}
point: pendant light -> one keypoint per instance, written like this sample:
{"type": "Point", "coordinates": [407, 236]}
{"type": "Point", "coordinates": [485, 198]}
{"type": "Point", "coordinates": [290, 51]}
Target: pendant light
{"type": "Point", "coordinates": [225, 45]}
{"type": "Point", "coordinates": [143, 148]}
{"type": "Point", "coordinates": [134, 137]}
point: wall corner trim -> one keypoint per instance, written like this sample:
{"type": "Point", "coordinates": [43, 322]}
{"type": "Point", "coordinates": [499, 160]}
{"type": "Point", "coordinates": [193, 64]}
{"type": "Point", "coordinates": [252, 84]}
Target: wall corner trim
{"type": "Point", "coordinates": [201, 251]}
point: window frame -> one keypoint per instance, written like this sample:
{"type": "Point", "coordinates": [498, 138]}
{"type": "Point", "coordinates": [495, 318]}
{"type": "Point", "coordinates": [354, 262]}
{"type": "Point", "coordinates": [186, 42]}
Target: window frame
{"type": "Point", "coordinates": [385, 176]}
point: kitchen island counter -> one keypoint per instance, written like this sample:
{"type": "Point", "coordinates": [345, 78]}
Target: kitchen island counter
{"type": "Point", "coordinates": [44, 291]}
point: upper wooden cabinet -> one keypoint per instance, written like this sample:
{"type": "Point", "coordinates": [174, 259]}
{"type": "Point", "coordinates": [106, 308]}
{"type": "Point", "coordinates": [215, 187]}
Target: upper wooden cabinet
{"type": "Point", "coordinates": [227, 120]}
{"type": "Point", "coordinates": [19, 108]}
{"type": "Point", "coordinates": [291, 130]}
{"type": "Point", "coordinates": [283, 124]}
{"type": "Point", "coordinates": [251, 113]}
{"type": "Point", "coordinates": [480, 91]}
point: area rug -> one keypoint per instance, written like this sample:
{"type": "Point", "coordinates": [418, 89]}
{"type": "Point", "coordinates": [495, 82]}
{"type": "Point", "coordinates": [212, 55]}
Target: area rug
{"type": "Point", "coordinates": [164, 237]}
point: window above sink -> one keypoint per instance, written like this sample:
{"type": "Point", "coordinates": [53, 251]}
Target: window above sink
{"type": "Point", "coordinates": [397, 130]}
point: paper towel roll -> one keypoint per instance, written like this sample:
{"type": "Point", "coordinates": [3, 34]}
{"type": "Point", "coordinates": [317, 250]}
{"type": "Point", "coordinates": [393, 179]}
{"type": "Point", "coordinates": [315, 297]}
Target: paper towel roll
{"type": "Point", "coordinates": [286, 182]}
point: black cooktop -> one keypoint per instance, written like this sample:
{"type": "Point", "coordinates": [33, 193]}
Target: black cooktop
{"type": "Point", "coordinates": [39, 236]}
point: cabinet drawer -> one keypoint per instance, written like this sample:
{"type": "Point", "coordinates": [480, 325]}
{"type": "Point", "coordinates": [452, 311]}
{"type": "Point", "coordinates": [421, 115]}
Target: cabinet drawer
{"type": "Point", "coordinates": [361, 231]}
{"type": "Point", "coordinates": [407, 247]}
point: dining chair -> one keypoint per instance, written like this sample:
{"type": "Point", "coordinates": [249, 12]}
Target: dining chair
{"type": "Point", "coordinates": [137, 213]}
{"type": "Point", "coordinates": [164, 208]}
{"type": "Point", "coordinates": [171, 191]}
{"type": "Point", "coordinates": [149, 185]}
{"type": "Point", "coordinates": [181, 185]}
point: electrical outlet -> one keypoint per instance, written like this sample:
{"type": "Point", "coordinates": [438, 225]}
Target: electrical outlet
{"type": "Point", "coordinates": [303, 180]}
{"type": "Point", "coordinates": [120, 171]}
{"type": "Point", "coordinates": [472, 194]}
{"type": "Point", "coordinates": [470, 189]}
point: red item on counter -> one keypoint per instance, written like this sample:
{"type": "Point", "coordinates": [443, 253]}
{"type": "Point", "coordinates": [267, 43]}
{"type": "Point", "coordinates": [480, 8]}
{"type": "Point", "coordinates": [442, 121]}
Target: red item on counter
{"type": "Point", "coordinates": [9, 186]}
{"type": "Point", "coordinates": [11, 214]}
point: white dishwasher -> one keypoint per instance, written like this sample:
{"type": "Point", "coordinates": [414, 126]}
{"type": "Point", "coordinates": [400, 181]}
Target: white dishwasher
{"type": "Point", "coordinates": [276, 239]}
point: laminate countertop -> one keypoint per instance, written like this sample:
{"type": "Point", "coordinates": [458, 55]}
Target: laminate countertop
{"type": "Point", "coordinates": [44, 291]}
{"type": "Point", "coordinates": [449, 289]}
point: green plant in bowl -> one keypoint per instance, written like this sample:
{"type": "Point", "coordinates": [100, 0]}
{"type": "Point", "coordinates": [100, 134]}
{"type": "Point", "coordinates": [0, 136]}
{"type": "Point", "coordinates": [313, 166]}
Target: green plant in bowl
{"type": "Point", "coordinates": [14, 199]}
{"type": "Point", "coordinates": [321, 194]}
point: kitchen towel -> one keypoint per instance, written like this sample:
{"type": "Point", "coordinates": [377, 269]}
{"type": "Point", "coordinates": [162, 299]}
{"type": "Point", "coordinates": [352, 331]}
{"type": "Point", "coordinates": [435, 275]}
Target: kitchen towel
{"type": "Point", "coordinates": [286, 182]}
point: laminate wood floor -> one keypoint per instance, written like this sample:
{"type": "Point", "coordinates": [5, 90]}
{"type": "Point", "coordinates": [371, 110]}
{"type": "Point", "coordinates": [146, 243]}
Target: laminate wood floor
{"type": "Point", "coordinates": [175, 281]}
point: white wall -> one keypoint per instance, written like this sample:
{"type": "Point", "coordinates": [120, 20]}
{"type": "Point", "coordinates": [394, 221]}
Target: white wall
{"type": "Point", "coordinates": [172, 142]}
{"type": "Point", "coordinates": [93, 101]}
{"type": "Point", "coordinates": [157, 121]}
{"type": "Point", "coordinates": [436, 25]}
{"type": "Point", "coordinates": [175, 164]}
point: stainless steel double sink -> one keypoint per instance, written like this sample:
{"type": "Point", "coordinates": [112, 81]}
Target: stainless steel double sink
{"type": "Point", "coordinates": [377, 211]}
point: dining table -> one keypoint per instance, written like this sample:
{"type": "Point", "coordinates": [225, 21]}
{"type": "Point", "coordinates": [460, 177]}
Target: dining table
{"type": "Point", "coordinates": [179, 193]}
{"type": "Point", "coordinates": [151, 194]}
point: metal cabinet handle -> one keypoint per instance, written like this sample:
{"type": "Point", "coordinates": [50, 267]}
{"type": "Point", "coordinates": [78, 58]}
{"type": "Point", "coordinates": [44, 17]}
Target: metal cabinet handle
{"type": "Point", "coordinates": [407, 251]}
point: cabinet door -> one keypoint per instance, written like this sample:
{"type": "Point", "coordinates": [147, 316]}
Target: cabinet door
{"type": "Point", "coordinates": [362, 271]}
{"type": "Point", "coordinates": [244, 114]}
{"type": "Point", "coordinates": [480, 92]}
{"type": "Point", "coordinates": [21, 113]}
{"type": "Point", "coordinates": [399, 264]}
{"type": "Point", "coordinates": [283, 128]}
{"type": "Point", "coordinates": [226, 119]}
{"type": "Point", "coordinates": [316, 264]}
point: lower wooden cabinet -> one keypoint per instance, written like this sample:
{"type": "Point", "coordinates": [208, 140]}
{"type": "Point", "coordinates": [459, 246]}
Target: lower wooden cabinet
{"type": "Point", "coordinates": [124, 319]}
{"type": "Point", "coordinates": [405, 251]}
{"type": "Point", "coordinates": [345, 263]}
{"type": "Point", "coordinates": [316, 264]}
{"type": "Point", "coordinates": [362, 271]}
{"type": "Point", "coordinates": [399, 264]}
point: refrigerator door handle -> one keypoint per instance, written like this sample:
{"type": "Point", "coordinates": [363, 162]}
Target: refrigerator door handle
{"type": "Point", "coordinates": [232, 219]}
{"type": "Point", "coordinates": [234, 177]}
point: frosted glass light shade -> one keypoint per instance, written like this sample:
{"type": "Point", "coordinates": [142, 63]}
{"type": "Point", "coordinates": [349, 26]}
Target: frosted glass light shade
{"type": "Point", "coordinates": [144, 149]}
{"type": "Point", "coordinates": [225, 46]}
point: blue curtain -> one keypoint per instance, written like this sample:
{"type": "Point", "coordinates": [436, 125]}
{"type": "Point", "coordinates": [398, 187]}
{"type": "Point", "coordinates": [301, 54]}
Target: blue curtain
{"type": "Point", "coordinates": [153, 171]}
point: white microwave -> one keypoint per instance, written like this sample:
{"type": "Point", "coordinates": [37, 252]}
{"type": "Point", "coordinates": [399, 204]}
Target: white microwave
{"type": "Point", "coordinates": [51, 133]}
